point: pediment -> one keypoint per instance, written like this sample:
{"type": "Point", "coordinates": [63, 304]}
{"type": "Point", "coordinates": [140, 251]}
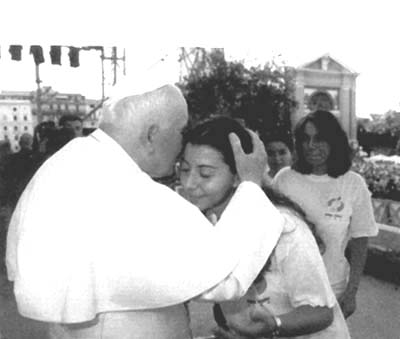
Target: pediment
{"type": "Point", "coordinates": [326, 63]}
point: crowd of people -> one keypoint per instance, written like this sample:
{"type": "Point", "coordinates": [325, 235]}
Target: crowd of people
{"type": "Point", "coordinates": [276, 243]}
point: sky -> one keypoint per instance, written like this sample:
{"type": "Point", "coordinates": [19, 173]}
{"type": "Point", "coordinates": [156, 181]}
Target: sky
{"type": "Point", "coordinates": [363, 35]}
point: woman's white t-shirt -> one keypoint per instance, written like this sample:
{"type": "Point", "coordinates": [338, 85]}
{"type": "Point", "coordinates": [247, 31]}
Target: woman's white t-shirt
{"type": "Point", "coordinates": [341, 209]}
{"type": "Point", "coordinates": [296, 277]}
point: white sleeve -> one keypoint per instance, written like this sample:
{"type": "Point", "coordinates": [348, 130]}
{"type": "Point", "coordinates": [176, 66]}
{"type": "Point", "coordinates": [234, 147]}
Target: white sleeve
{"type": "Point", "coordinates": [304, 272]}
{"type": "Point", "coordinates": [362, 222]}
{"type": "Point", "coordinates": [259, 225]}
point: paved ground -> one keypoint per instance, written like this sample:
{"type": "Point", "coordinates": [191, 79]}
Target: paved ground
{"type": "Point", "coordinates": [378, 315]}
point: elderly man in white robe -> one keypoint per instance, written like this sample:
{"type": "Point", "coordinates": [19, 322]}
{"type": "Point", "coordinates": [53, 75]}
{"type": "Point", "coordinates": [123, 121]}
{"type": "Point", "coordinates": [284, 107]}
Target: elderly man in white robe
{"type": "Point", "coordinates": [98, 249]}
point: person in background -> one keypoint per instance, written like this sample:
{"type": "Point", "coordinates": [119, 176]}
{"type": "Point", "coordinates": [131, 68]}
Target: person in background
{"type": "Point", "coordinates": [334, 198]}
{"type": "Point", "coordinates": [5, 152]}
{"type": "Point", "coordinates": [292, 295]}
{"type": "Point", "coordinates": [26, 142]}
{"type": "Point", "coordinates": [131, 251]}
{"type": "Point", "coordinates": [40, 136]}
{"type": "Point", "coordinates": [57, 139]}
{"type": "Point", "coordinates": [19, 169]}
{"type": "Point", "coordinates": [73, 122]}
{"type": "Point", "coordinates": [279, 147]}
{"type": "Point", "coordinates": [5, 214]}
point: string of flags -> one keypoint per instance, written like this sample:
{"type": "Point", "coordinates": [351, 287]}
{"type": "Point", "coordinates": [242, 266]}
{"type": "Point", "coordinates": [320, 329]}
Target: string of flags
{"type": "Point", "coordinates": [55, 53]}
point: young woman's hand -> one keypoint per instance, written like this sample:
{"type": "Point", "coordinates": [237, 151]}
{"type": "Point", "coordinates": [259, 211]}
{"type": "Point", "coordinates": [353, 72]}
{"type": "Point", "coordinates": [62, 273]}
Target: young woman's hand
{"type": "Point", "coordinates": [348, 303]}
{"type": "Point", "coordinates": [261, 323]}
{"type": "Point", "coordinates": [220, 333]}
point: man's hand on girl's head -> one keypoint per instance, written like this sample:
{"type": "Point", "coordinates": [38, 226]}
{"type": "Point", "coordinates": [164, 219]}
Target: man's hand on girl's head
{"type": "Point", "coordinates": [250, 167]}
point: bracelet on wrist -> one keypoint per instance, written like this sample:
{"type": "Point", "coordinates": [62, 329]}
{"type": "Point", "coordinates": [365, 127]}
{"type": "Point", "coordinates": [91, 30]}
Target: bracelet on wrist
{"type": "Point", "coordinates": [278, 325]}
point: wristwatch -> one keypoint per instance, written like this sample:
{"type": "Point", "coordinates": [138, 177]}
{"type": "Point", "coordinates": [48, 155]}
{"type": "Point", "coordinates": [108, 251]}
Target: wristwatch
{"type": "Point", "coordinates": [278, 325]}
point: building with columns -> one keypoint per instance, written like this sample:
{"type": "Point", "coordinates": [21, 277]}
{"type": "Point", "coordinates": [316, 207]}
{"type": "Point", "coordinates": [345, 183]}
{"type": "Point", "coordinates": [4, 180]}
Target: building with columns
{"type": "Point", "coordinates": [326, 84]}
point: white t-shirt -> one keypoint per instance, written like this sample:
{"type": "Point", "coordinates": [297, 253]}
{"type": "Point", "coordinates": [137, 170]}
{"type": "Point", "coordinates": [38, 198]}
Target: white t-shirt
{"type": "Point", "coordinates": [296, 277]}
{"type": "Point", "coordinates": [340, 208]}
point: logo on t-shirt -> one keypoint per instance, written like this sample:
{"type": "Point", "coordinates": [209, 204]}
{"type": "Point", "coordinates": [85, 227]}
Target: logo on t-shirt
{"type": "Point", "coordinates": [335, 207]}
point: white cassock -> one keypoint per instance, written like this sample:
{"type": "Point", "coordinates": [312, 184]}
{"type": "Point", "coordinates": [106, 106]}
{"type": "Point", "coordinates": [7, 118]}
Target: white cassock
{"type": "Point", "coordinates": [93, 234]}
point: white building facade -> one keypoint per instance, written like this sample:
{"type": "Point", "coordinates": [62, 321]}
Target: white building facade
{"type": "Point", "coordinates": [15, 119]}
{"type": "Point", "coordinates": [19, 111]}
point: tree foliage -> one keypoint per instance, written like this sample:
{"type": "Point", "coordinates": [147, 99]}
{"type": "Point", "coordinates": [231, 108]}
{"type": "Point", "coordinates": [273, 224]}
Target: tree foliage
{"type": "Point", "coordinates": [261, 96]}
{"type": "Point", "coordinates": [381, 132]}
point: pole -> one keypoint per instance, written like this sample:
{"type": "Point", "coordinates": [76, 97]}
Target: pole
{"type": "Point", "coordinates": [102, 75]}
{"type": "Point", "coordinates": [124, 63]}
{"type": "Point", "coordinates": [114, 61]}
{"type": "Point", "coordinates": [38, 96]}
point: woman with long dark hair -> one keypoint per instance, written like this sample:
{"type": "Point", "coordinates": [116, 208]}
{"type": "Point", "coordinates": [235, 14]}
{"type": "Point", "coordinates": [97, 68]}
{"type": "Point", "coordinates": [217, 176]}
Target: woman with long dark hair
{"type": "Point", "coordinates": [334, 198]}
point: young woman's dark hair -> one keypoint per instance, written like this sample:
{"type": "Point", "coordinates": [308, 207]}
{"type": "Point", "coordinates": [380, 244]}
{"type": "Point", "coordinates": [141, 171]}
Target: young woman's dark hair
{"type": "Point", "coordinates": [214, 132]}
{"type": "Point", "coordinates": [279, 135]}
{"type": "Point", "coordinates": [329, 130]}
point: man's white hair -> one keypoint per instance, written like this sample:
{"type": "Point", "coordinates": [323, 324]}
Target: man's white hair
{"type": "Point", "coordinates": [133, 95]}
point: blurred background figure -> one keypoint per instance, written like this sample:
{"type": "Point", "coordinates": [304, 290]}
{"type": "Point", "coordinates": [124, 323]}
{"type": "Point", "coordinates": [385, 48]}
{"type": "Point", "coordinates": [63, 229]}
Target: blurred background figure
{"type": "Point", "coordinates": [19, 168]}
{"type": "Point", "coordinates": [5, 214]}
{"type": "Point", "coordinates": [16, 171]}
{"type": "Point", "coordinates": [26, 142]}
{"type": "Point", "coordinates": [73, 122]}
{"type": "Point", "coordinates": [57, 139]}
{"type": "Point", "coordinates": [41, 135]}
{"type": "Point", "coordinates": [279, 147]}
{"type": "Point", "coordinates": [5, 151]}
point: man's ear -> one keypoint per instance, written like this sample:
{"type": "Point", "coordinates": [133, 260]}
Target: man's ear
{"type": "Point", "coordinates": [151, 136]}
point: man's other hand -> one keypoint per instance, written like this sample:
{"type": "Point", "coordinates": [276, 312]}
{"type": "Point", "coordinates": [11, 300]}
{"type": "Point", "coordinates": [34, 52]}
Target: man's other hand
{"type": "Point", "coordinates": [250, 167]}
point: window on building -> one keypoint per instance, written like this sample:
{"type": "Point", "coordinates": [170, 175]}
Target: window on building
{"type": "Point", "coordinates": [16, 137]}
{"type": "Point", "coordinates": [5, 128]}
{"type": "Point", "coordinates": [15, 128]}
{"type": "Point", "coordinates": [6, 137]}
{"type": "Point", "coordinates": [14, 109]}
{"type": "Point", "coordinates": [25, 128]}
{"type": "Point", "coordinates": [25, 117]}
{"type": "Point", "coordinates": [15, 117]}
